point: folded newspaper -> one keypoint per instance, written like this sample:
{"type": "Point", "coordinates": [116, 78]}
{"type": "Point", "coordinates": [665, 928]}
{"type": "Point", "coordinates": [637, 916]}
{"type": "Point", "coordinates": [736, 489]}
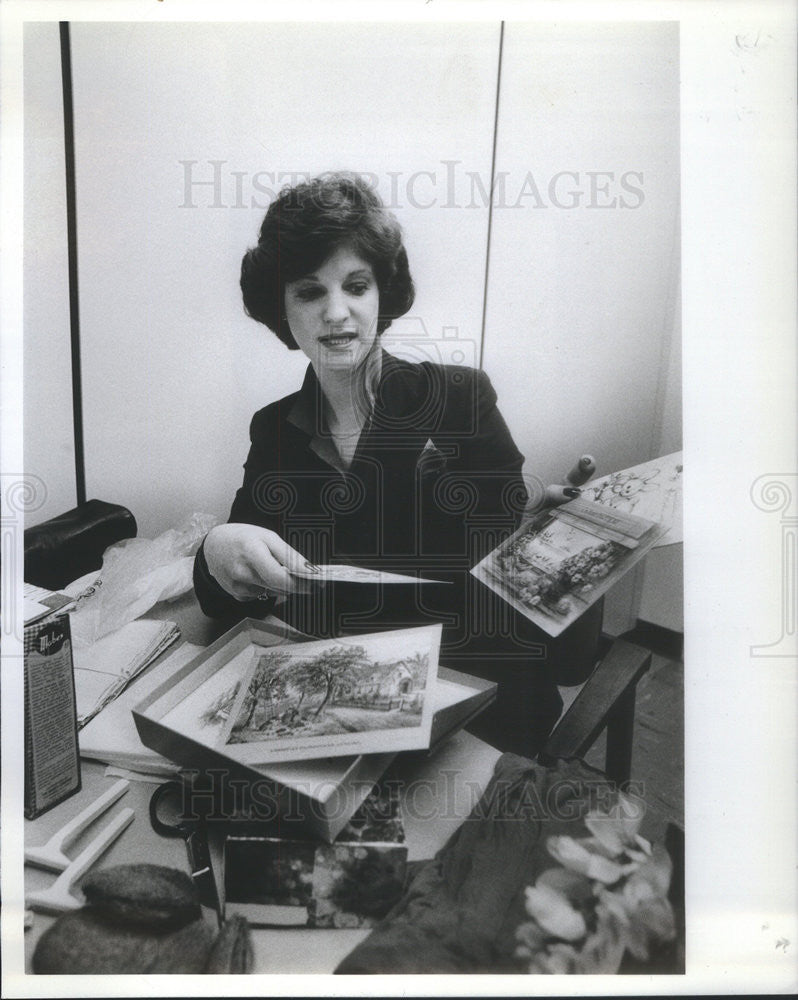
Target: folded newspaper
{"type": "Point", "coordinates": [105, 668]}
{"type": "Point", "coordinates": [562, 560]}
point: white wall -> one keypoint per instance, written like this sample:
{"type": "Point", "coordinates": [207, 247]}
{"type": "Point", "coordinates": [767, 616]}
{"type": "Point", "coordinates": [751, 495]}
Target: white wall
{"type": "Point", "coordinates": [584, 252]}
{"type": "Point", "coordinates": [173, 369]}
{"type": "Point", "coordinates": [579, 296]}
{"type": "Point", "coordinates": [47, 406]}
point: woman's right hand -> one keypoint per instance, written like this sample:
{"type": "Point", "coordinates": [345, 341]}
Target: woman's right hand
{"type": "Point", "coordinates": [250, 562]}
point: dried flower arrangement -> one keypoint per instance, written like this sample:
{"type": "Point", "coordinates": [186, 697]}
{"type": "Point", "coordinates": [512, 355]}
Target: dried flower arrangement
{"type": "Point", "coordinates": [608, 896]}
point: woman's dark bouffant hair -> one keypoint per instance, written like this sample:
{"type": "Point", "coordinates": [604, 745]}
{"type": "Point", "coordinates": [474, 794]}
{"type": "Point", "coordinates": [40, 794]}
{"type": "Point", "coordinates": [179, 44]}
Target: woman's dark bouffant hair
{"type": "Point", "coordinates": [303, 226]}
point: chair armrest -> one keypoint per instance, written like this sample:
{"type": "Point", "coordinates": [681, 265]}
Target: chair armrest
{"type": "Point", "coordinates": [609, 688]}
{"type": "Point", "coordinates": [68, 546]}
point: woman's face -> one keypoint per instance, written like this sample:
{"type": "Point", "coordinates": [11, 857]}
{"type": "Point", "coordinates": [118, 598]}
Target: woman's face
{"type": "Point", "coordinates": [333, 312]}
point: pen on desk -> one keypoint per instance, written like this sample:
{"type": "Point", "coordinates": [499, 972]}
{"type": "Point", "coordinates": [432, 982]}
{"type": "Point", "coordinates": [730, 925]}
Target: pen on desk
{"type": "Point", "coordinates": [582, 471]}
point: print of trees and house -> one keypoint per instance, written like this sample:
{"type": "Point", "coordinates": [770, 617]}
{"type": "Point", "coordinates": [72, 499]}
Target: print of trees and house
{"type": "Point", "coordinates": [388, 685]}
{"type": "Point", "coordinates": [298, 692]}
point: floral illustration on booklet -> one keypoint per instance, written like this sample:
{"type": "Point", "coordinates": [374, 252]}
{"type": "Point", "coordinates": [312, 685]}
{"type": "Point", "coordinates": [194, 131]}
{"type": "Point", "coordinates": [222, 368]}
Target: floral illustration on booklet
{"type": "Point", "coordinates": [561, 561]}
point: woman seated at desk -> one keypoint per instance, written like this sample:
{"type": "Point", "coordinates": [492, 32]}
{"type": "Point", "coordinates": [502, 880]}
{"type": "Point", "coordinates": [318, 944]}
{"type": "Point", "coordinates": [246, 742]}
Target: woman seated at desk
{"type": "Point", "coordinates": [375, 462]}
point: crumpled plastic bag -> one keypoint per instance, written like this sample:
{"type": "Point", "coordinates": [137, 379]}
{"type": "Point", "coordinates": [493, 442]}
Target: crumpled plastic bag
{"type": "Point", "coordinates": [136, 574]}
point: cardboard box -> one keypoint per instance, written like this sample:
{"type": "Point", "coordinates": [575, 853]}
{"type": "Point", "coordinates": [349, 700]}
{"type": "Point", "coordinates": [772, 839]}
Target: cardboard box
{"type": "Point", "coordinates": [315, 796]}
{"type": "Point", "coordinates": [350, 883]}
{"type": "Point", "coordinates": [52, 759]}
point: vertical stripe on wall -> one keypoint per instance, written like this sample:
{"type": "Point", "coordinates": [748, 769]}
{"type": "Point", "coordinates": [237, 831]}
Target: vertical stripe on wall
{"type": "Point", "coordinates": [72, 251]}
{"type": "Point", "coordinates": [490, 189]}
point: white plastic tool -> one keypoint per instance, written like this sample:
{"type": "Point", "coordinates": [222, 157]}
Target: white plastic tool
{"type": "Point", "coordinates": [58, 898]}
{"type": "Point", "coordinates": [51, 855]}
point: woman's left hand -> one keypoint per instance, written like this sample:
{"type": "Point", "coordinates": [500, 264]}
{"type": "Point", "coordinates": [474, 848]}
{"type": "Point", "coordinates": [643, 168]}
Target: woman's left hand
{"type": "Point", "coordinates": [557, 494]}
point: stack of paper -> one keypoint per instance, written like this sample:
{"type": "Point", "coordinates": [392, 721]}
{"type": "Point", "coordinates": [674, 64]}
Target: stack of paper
{"type": "Point", "coordinates": [105, 668]}
{"type": "Point", "coordinates": [40, 602]}
{"type": "Point", "coordinates": [112, 737]}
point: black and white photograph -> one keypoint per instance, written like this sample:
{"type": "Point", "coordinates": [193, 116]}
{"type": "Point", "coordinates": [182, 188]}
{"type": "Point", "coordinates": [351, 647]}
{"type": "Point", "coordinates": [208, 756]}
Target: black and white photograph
{"type": "Point", "coordinates": [366, 366]}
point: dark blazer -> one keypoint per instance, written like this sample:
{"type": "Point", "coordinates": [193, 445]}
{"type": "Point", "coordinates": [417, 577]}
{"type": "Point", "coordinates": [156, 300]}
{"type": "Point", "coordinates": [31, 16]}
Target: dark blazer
{"type": "Point", "coordinates": [434, 485]}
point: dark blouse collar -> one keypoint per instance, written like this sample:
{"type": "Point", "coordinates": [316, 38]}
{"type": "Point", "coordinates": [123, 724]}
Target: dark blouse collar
{"type": "Point", "coordinates": [307, 411]}
{"type": "Point", "coordinates": [387, 388]}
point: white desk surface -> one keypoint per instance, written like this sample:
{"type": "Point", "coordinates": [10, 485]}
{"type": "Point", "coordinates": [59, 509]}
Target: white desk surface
{"type": "Point", "coordinates": [438, 793]}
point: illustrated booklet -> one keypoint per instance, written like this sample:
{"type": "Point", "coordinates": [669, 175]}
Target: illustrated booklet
{"type": "Point", "coordinates": [560, 561]}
